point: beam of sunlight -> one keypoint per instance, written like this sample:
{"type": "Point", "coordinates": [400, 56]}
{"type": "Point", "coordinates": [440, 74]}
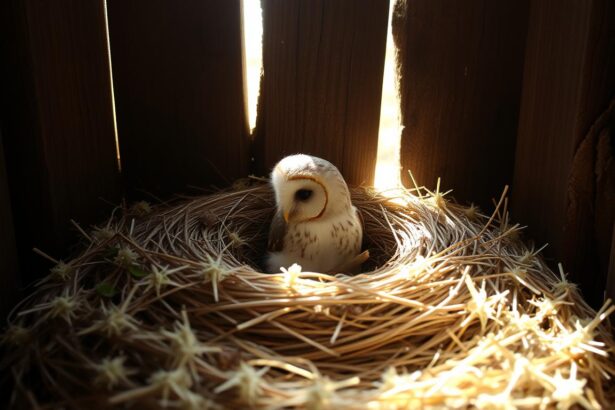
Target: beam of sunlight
{"type": "Point", "coordinates": [253, 49]}
{"type": "Point", "coordinates": [389, 136]}
{"type": "Point", "coordinates": [108, 39]}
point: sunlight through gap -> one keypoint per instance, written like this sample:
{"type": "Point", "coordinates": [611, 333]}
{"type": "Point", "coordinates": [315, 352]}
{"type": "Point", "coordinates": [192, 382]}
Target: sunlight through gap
{"type": "Point", "coordinates": [253, 49]}
{"type": "Point", "coordinates": [389, 136]}
{"type": "Point", "coordinates": [108, 39]}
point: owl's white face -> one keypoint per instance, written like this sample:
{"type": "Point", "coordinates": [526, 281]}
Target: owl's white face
{"type": "Point", "coordinates": [308, 188]}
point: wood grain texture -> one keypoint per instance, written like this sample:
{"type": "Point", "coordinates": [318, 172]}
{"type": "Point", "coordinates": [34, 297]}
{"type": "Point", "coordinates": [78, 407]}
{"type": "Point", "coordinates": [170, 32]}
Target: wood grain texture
{"type": "Point", "coordinates": [610, 284]}
{"type": "Point", "coordinates": [604, 215]}
{"type": "Point", "coordinates": [9, 280]}
{"type": "Point", "coordinates": [568, 83]}
{"type": "Point", "coordinates": [177, 69]}
{"type": "Point", "coordinates": [57, 121]}
{"type": "Point", "coordinates": [590, 210]}
{"type": "Point", "coordinates": [461, 66]}
{"type": "Point", "coordinates": [323, 63]}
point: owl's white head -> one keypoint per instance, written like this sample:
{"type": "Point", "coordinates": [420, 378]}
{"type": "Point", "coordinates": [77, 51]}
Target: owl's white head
{"type": "Point", "coordinates": [308, 188]}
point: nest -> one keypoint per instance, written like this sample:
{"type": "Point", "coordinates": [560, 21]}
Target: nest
{"type": "Point", "coordinates": [167, 306]}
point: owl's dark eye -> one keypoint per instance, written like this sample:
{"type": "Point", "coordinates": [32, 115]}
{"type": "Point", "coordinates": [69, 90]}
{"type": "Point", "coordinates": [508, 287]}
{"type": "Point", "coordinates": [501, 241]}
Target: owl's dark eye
{"type": "Point", "coordinates": [303, 194]}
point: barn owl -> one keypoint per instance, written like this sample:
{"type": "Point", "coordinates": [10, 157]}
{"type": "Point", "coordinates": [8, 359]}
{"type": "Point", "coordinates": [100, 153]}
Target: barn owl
{"type": "Point", "coordinates": [316, 225]}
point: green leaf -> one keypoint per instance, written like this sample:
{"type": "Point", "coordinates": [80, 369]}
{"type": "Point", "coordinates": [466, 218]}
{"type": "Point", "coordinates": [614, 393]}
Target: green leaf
{"type": "Point", "coordinates": [106, 290]}
{"type": "Point", "coordinates": [137, 272]}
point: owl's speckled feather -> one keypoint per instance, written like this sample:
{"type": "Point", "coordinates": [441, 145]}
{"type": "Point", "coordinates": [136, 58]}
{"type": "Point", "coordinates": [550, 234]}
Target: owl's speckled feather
{"type": "Point", "coordinates": [316, 224]}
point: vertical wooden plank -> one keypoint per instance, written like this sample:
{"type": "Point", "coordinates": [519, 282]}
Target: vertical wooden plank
{"type": "Point", "coordinates": [568, 82]}
{"type": "Point", "coordinates": [8, 252]}
{"type": "Point", "coordinates": [323, 64]}
{"type": "Point", "coordinates": [461, 65]}
{"type": "Point", "coordinates": [610, 283]}
{"type": "Point", "coordinates": [603, 216]}
{"type": "Point", "coordinates": [179, 89]}
{"type": "Point", "coordinates": [57, 120]}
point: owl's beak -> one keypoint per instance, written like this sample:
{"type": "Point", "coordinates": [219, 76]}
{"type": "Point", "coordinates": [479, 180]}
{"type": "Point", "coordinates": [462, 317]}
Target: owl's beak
{"type": "Point", "coordinates": [289, 213]}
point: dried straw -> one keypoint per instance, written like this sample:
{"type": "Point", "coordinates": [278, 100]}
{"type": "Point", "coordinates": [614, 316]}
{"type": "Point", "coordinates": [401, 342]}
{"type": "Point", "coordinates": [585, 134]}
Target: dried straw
{"type": "Point", "coordinates": [167, 306]}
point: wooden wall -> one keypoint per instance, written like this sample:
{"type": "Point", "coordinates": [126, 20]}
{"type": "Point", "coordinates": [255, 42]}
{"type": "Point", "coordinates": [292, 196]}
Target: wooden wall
{"type": "Point", "coordinates": [9, 279]}
{"type": "Point", "coordinates": [564, 183]}
{"type": "Point", "coordinates": [179, 93]}
{"type": "Point", "coordinates": [517, 93]}
{"type": "Point", "coordinates": [462, 67]}
{"type": "Point", "coordinates": [492, 93]}
{"type": "Point", "coordinates": [323, 63]}
{"type": "Point", "coordinates": [57, 122]}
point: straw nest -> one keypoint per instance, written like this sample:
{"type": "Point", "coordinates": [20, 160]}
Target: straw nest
{"type": "Point", "coordinates": [167, 306]}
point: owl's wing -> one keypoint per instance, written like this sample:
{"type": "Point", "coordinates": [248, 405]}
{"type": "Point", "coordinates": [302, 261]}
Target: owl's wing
{"type": "Point", "coordinates": [360, 217]}
{"type": "Point", "coordinates": [277, 232]}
